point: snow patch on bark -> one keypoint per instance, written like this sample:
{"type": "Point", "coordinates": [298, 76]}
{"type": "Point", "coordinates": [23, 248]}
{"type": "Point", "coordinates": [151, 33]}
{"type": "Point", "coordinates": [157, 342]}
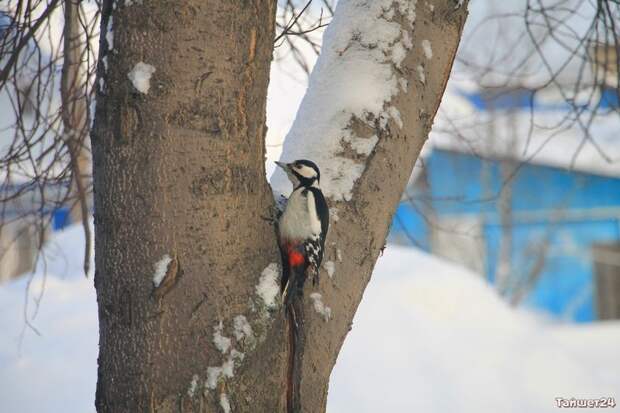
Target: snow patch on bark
{"type": "Point", "coordinates": [140, 77]}
{"type": "Point", "coordinates": [364, 146]}
{"type": "Point", "coordinates": [193, 385]}
{"type": "Point", "coordinates": [161, 267]}
{"type": "Point", "coordinates": [354, 79]}
{"type": "Point", "coordinates": [105, 63]}
{"type": "Point", "coordinates": [330, 267]}
{"type": "Point", "coordinates": [404, 84]}
{"type": "Point", "coordinates": [236, 355]}
{"type": "Point", "coordinates": [399, 52]}
{"type": "Point", "coordinates": [109, 35]}
{"type": "Point", "coordinates": [428, 50]}
{"type": "Point", "coordinates": [228, 367]}
{"type": "Point", "coordinates": [224, 403]}
{"type": "Point", "coordinates": [406, 40]}
{"type": "Point", "coordinates": [268, 288]}
{"type": "Point", "coordinates": [421, 74]}
{"type": "Point", "coordinates": [319, 307]}
{"type": "Point", "coordinates": [243, 329]}
{"type": "Point", "coordinates": [268, 292]}
{"type": "Point", "coordinates": [214, 373]}
{"type": "Point", "coordinates": [395, 114]}
{"type": "Point", "coordinates": [222, 343]}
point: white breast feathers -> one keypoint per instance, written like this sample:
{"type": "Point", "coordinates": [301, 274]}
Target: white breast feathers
{"type": "Point", "coordinates": [299, 220]}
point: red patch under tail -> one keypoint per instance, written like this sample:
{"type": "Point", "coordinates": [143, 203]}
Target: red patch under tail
{"type": "Point", "coordinates": [295, 258]}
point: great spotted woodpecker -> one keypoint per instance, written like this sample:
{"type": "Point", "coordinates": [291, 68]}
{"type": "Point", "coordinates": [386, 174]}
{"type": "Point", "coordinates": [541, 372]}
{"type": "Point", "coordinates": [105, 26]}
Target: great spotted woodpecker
{"type": "Point", "coordinates": [302, 227]}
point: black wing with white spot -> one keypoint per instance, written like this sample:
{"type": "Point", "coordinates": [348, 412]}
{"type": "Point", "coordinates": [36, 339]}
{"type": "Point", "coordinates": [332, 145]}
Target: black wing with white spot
{"type": "Point", "coordinates": [322, 211]}
{"type": "Point", "coordinates": [316, 245]}
{"type": "Point", "coordinates": [314, 254]}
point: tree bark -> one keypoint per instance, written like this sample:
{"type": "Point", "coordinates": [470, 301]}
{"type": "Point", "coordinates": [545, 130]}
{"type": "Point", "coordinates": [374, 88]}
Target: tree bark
{"type": "Point", "coordinates": [179, 172]}
{"type": "Point", "coordinates": [357, 236]}
{"type": "Point", "coordinates": [180, 193]}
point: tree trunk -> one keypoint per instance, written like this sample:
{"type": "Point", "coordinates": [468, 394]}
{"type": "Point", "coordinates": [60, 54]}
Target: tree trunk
{"type": "Point", "coordinates": [365, 186]}
{"type": "Point", "coordinates": [75, 119]}
{"type": "Point", "coordinates": [179, 172]}
{"type": "Point", "coordinates": [186, 259]}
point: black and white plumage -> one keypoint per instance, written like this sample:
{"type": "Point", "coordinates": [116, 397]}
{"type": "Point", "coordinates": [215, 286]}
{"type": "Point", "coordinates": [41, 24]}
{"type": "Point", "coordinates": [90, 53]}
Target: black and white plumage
{"type": "Point", "coordinates": [303, 226]}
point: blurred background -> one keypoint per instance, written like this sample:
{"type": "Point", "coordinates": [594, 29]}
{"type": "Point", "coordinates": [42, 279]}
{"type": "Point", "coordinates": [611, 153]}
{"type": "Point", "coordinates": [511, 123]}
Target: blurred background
{"type": "Point", "coordinates": [500, 284]}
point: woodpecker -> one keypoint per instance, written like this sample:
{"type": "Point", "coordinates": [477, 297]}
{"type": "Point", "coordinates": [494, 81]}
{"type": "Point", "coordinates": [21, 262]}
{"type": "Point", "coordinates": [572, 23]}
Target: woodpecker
{"type": "Point", "coordinates": [302, 227]}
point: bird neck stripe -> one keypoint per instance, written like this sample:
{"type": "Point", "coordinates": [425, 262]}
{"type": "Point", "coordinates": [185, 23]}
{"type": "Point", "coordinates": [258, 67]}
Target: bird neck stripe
{"type": "Point", "coordinates": [307, 183]}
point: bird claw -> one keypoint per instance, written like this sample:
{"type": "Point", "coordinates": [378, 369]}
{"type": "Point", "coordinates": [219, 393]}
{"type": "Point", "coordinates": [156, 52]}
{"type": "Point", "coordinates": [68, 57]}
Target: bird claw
{"type": "Point", "coordinates": [273, 215]}
{"type": "Point", "coordinates": [271, 220]}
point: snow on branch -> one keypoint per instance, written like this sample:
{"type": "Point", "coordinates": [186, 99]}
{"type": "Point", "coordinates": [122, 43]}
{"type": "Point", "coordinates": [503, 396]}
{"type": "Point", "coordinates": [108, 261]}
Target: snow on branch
{"type": "Point", "coordinates": [354, 79]}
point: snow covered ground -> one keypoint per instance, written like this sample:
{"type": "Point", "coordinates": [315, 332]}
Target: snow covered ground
{"type": "Point", "coordinates": [428, 336]}
{"type": "Point", "coordinates": [431, 337]}
{"type": "Point", "coordinates": [56, 371]}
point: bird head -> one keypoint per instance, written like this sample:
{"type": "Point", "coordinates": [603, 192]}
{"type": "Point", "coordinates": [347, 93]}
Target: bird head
{"type": "Point", "coordinates": [302, 172]}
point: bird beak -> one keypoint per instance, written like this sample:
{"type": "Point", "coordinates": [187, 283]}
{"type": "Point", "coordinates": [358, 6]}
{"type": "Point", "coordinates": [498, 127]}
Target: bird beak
{"type": "Point", "coordinates": [282, 165]}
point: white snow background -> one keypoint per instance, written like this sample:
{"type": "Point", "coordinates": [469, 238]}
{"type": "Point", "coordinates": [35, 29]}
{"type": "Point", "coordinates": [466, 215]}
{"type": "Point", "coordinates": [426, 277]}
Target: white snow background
{"type": "Point", "coordinates": [56, 371]}
{"type": "Point", "coordinates": [429, 336]}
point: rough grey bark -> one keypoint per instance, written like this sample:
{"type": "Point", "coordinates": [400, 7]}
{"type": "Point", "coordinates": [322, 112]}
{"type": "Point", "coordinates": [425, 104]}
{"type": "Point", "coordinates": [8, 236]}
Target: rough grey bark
{"type": "Point", "coordinates": [180, 172]}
